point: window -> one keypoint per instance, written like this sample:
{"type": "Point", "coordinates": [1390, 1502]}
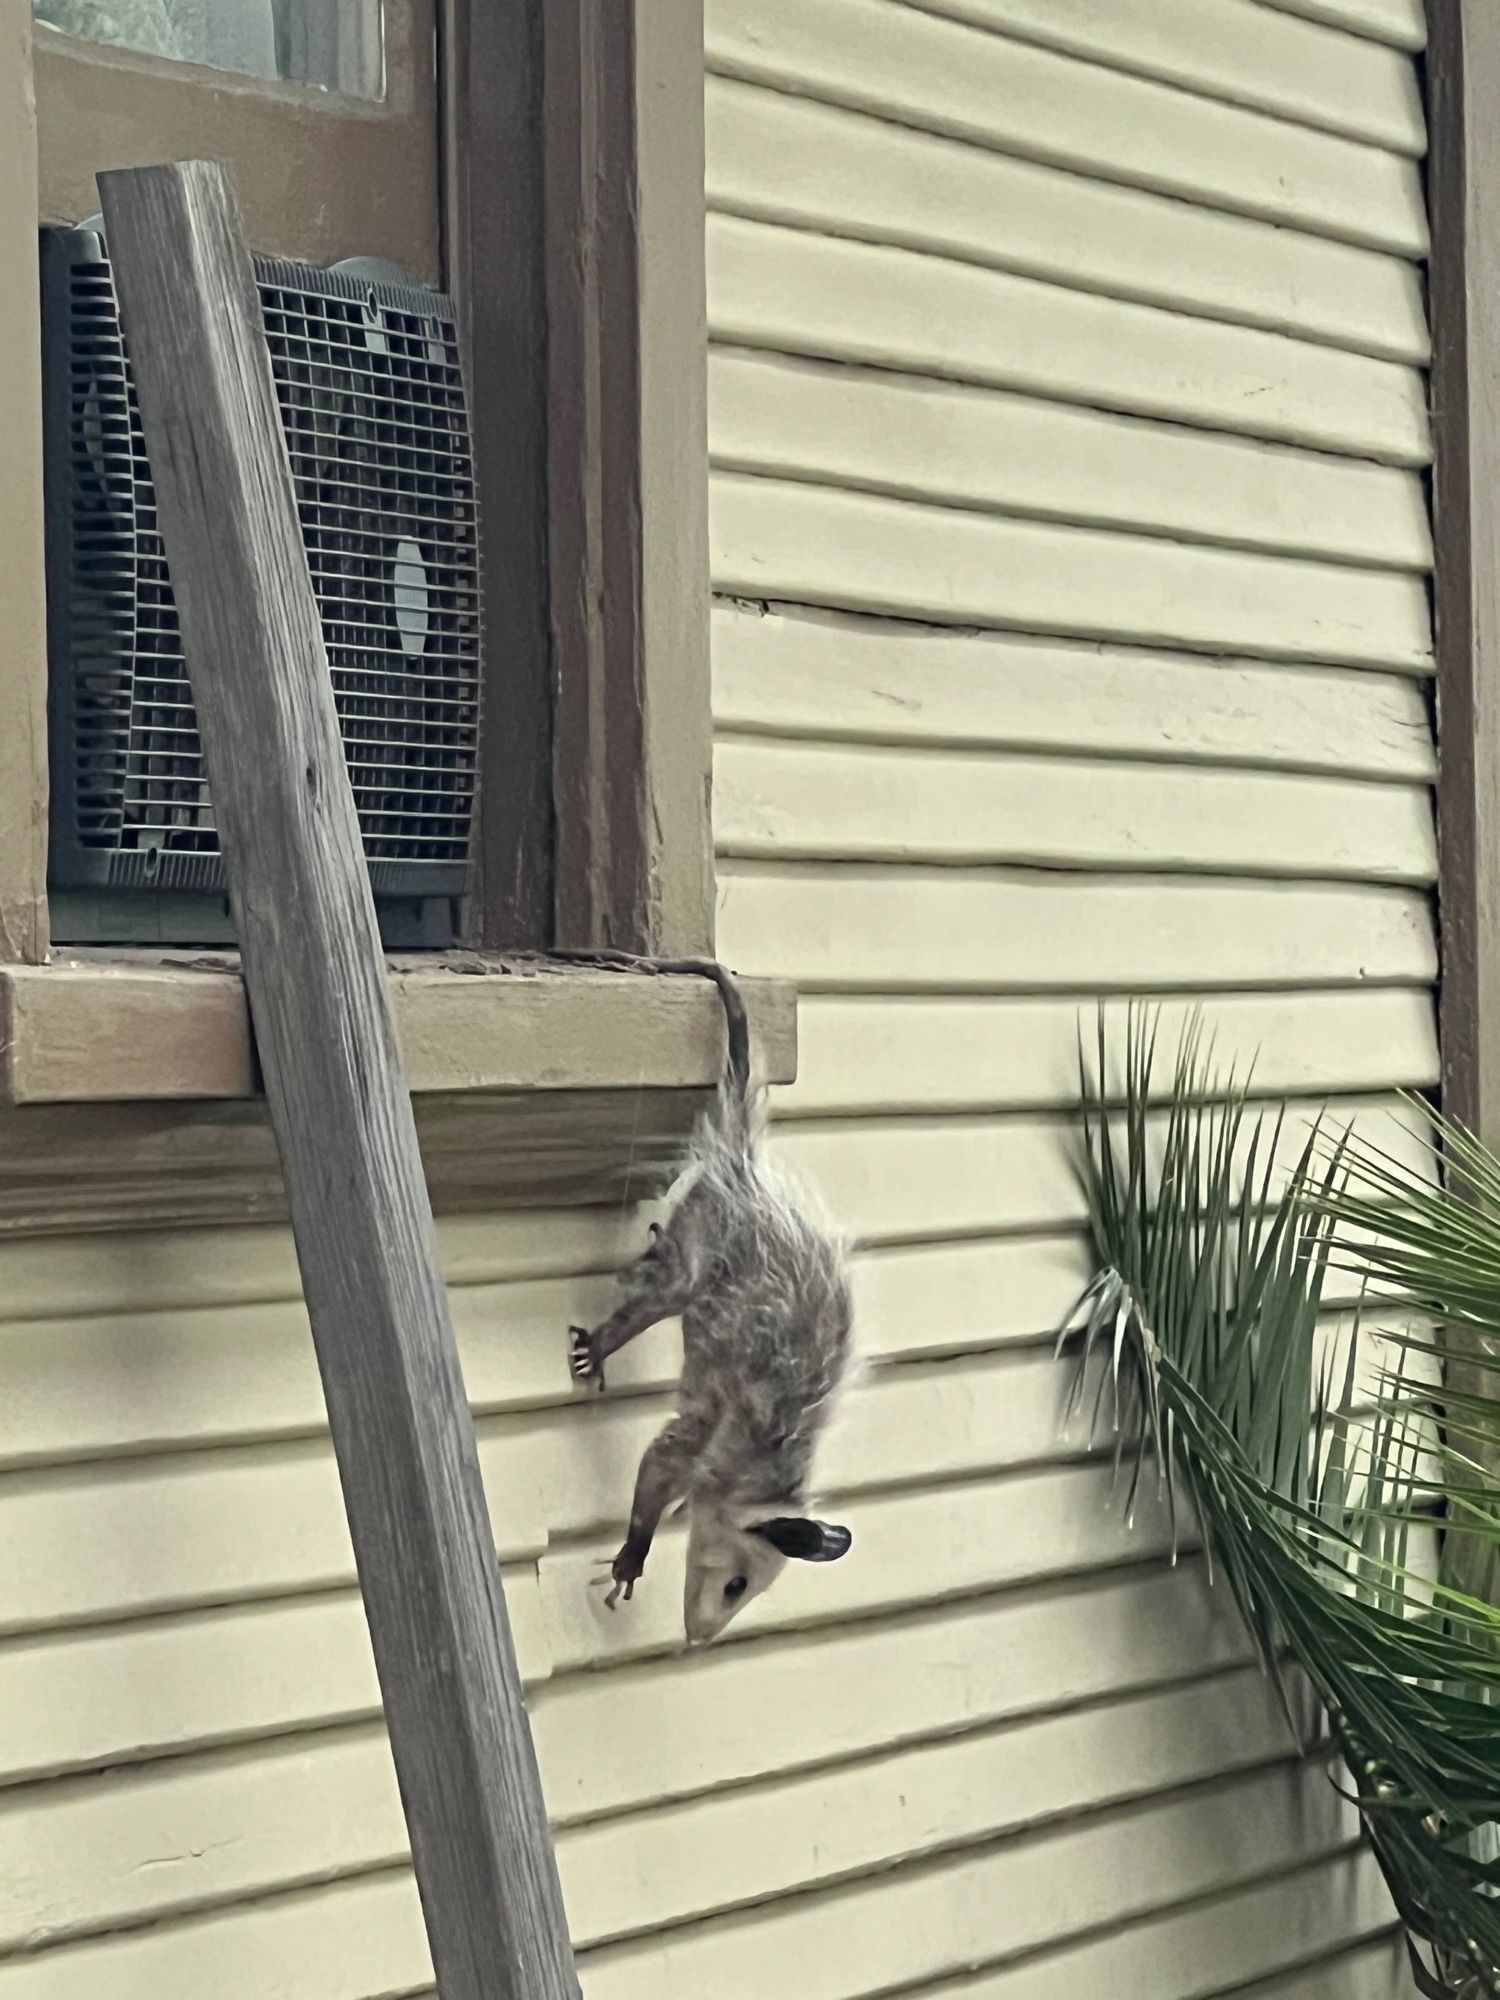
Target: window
{"type": "Point", "coordinates": [327, 110]}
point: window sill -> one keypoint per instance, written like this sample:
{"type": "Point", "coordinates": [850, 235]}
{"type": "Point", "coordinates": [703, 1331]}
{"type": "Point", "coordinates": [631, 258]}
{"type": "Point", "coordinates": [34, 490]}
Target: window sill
{"type": "Point", "coordinates": [129, 1094]}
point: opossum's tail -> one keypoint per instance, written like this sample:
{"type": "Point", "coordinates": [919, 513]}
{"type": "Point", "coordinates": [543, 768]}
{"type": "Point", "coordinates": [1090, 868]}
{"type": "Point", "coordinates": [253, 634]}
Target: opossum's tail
{"type": "Point", "coordinates": [735, 1108]}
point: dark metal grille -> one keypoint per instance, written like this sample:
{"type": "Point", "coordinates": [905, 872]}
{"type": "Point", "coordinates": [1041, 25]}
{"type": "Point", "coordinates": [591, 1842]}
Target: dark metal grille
{"type": "Point", "coordinates": [372, 400]}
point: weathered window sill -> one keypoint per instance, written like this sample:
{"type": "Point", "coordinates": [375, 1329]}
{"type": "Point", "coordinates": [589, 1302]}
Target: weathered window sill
{"type": "Point", "coordinates": [129, 1093]}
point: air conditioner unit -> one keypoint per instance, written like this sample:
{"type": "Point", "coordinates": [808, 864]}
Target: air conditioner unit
{"type": "Point", "coordinates": [368, 378]}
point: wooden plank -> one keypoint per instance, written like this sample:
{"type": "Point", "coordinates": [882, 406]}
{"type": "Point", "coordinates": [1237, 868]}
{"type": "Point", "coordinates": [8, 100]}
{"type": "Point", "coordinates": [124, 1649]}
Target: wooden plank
{"type": "Point", "coordinates": [905, 1179]}
{"type": "Point", "coordinates": [940, 76]}
{"type": "Point", "coordinates": [71, 1169]}
{"type": "Point", "coordinates": [327, 1045]}
{"type": "Point", "coordinates": [23, 598]}
{"type": "Point", "coordinates": [902, 310]}
{"type": "Point", "coordinates": [995, 1903]}
{"type": "Point", "coordinates": [1280, 1922]}
{"type": "Point", "coordinates": [89, 1857]}
{"type": "Point", "coordinates": [82, 1031]}
{"type": "Point", "coordinates": [782, 672]}
{"type": "Point", "coordinates": [1402, 24]}
{"type": "Point", "coordinates": [623, 124]}
{"type": "Point", "coordinates": [898, 930]}
{"type": "Point", "coordinates": [356, 1938]}
{"type": "Point", "coordinates": [1227, 49]}
{"type": "Point", "coordinates": [867, 802]}
{"type": "Point", "coordinates": [840, 173]}
{"type": "Point", "coordinates": [873, 1054]}
{"type": "Point", "coordinates": [862, 552]}
{"type": "Point", "coordinates": [918, 437]}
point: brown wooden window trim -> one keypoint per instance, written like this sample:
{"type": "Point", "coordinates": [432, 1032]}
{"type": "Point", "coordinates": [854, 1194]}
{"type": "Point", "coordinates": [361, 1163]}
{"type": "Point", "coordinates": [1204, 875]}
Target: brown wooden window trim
{"type": "Point", "coordinates": [572, 205]}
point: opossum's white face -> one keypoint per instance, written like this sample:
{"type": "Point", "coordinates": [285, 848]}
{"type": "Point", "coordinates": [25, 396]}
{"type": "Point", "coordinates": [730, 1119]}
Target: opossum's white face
{"type": "Point", "coordinates": [735, 1554]}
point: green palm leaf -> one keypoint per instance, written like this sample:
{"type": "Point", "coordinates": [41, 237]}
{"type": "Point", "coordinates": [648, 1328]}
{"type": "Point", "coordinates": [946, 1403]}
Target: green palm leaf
{"type": "Point", "coordinates": [1216, 1226]}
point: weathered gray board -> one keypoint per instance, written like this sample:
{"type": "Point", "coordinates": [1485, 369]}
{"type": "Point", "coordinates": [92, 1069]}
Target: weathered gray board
{"type": "Point", "coordinates": [316, 984]}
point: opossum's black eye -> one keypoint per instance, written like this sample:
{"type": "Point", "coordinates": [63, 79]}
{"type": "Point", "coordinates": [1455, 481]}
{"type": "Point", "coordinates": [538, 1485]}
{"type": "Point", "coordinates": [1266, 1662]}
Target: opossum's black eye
{"type": "Point", "coordinates": [736, 1586]}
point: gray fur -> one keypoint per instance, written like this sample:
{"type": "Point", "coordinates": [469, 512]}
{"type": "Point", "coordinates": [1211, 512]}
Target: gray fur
{"type": "Point", "coordinates": [763, 1295]}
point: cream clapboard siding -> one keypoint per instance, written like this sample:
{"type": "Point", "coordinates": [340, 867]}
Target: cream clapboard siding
{"type": "Point", "coordinates": [1068, 423]}
{"type": "Point", "coordinates": [1068, 418]}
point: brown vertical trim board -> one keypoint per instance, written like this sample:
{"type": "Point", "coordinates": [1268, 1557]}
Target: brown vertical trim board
{"type": "Point", "coordinates": [627, 456]}
{"type": "Point", "coordinates": [1463, 69]}
{"type": "Point", "coordinates": [315, 979]}
{"type": "Point", "coordinates": [1463, 78]}
{"type": "Point", "coordinates": [23, 622]}
{"type": "Point", "coordinates": [492, 87]}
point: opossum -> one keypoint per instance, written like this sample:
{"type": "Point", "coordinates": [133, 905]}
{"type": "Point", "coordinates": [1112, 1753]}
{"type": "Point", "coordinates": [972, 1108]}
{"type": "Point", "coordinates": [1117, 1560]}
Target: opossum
{"type": "Point", "coordinates": [763, 1294]}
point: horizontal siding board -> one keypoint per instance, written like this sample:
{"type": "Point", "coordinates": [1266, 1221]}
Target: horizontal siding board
{"type": "Point", "coordinates": [916, 1924]}
{"type": "Point", "coordinates": [865, 1054]}
{"type": "Point", "coordinates": [891, 308]}
{"type": "Point", "coordinates": [845, 1693]}
{"type": "Point", "coordinates": [1205, 1949]}
{"type": "Point", "coordinates": [863, 552]}
{"type": "Point", "coordinates": [89, 1855]}
{"type": "Point", "coordinates": [1227, 49]}
{"type": "Point", "coordinates": [913, 930]}
{"type": "Point", "coordinates": [828, 675]}
{"type": "Point", "coordinates": [919, 438]}
{"type": "Point", "coordinates": [84, 1699]}
{"type": "Point", "coordinates": [1402, 24]}
{"type": "Point", "coordinates": [894, 1179]}
{"type": "Point", "coordinates": [943, 76]}
{"type": "Point", "coordinates": [362, 1938]}
{"type": "Point", "coordinates": [145, 1271]}
{"type": "Point", "coordinates": [840, 173]}
{"type": "Point", "coordinates": [864, 802]}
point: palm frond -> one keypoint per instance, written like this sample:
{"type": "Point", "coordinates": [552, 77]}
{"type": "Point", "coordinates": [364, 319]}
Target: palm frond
{"type": "Point", "coordinates": [1216, 1226]}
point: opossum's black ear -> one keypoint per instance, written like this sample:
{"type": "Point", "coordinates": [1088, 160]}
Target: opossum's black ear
{"type": "Point", "coordinates": [805, 1541]}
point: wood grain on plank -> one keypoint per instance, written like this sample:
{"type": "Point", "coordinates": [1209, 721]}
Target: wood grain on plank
{"type": "Point", "coordinates": [943, 76]}
{"type": "Point", "coordinates": [355, 1938]}
{"type": "Point", "coordinates": [870, 1053]}
{"type": "Point", "coordinates": [907, 312]}
{"type": "Point", "coordinates": [1227, 49]}
{"type": "Point", "coordinates": [841, 173]}
{"type": "Point", "coordinates": [866, 802]}
{"type": "Point", "coordinates": [315, 976]}
{"type": "Point", "coordinates": [783, 672]}
{"type": "Point", "coordinates": [89, 1857]}
{"type": "Point", "coordinates": [864, 928]}
{"type": "Point", "coordinates": [919, 437]}
{"type": "Point", "coordinates": [862, 552]}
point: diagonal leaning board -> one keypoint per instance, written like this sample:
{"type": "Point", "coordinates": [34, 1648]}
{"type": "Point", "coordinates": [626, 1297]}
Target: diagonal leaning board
{"type": "Point", "coordinates": [315, 977]}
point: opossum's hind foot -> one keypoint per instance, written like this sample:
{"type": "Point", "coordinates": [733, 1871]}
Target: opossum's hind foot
{"type": "Point", "coordinates": [583, 1360]}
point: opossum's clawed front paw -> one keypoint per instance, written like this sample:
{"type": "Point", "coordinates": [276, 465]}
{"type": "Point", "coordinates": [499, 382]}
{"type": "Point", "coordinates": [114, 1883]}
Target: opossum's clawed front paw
{"type": "Point", "coordinates": [583, 1363]}
{"type": "Point", "coordinates": [627, 1570]}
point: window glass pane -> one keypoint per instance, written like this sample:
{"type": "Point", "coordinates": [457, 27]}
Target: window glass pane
{"type": "Point", "coordinates": [326, 44]}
